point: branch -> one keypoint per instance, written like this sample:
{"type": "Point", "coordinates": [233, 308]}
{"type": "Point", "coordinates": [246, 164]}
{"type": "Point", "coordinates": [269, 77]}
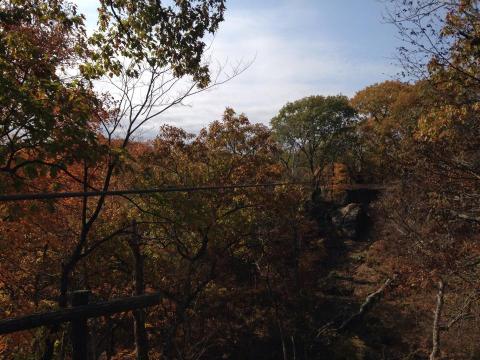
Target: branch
{"type": "Point", "coordinates": [369, 302]}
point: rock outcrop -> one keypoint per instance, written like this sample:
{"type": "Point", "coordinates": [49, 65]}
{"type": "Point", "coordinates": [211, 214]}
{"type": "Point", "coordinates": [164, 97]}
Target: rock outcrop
{"type": "Point", "coordinates": [348, 220]}
{"type": "Point", "coordinates": [345, 216]}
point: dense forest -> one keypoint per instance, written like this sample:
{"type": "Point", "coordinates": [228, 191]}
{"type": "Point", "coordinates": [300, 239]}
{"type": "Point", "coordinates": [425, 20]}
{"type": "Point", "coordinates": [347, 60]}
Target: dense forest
{"type": "Point", "coordinates": [346, 229]}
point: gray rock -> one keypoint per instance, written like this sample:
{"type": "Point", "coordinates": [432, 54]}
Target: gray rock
{"type": "Point", "coordinates": [347, 220]}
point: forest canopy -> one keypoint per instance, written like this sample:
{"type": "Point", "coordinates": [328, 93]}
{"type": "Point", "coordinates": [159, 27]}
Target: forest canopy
{"type": "Point", "coordinates": [346, 228]}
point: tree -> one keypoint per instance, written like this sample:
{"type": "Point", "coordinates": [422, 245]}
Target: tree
{"type": "Point", "coordinates": [433, 212]}
{"type": "Point", "coordinates": [47, 118]}
{"type": "Point", "coordinates": [314, 130]}
{"type": "Point", "coordinates": [438, 35]}
{"type": "Point", "coordinates": [195, 237]}
{"type": "Point", "coordinates": [150, 32]}
{"type": "Point", "coordinates": [136, 43]}
{"type": "Point", "coordinates": [388, 113]}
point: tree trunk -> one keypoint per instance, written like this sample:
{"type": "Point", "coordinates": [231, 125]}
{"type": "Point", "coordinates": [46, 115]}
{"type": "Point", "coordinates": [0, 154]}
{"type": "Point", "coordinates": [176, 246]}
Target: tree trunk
{"type": "Point", "coordinates": [141, 338]}
{"type": "Point", "coordinates": [296, 255]}
{"type": "Point", "coordinates": [436, 322]}
{"type": "Point", "coordinates": [79, 333]}
{"type": "Point", "coordinates": [110, 346]}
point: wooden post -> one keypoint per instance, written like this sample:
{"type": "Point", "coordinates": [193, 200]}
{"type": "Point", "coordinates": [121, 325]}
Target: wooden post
{"type": "Point", "coordinates": [80, 327]}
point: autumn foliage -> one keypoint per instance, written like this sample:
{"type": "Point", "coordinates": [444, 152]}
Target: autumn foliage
{"type": "Point", "coordinates": [348, 229]}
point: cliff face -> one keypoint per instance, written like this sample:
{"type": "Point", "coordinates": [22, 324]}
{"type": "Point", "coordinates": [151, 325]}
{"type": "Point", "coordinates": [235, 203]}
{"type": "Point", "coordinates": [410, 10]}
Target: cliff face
{"type": "Point", "coordinates": [343, 214]}
{"type": "Point", "coordinates": [395, 320]}
{"type": "Point", "coordinates": [351, 285]}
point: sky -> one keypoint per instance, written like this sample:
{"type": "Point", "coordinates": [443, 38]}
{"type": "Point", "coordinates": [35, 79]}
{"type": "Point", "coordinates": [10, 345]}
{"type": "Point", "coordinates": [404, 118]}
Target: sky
{"type": "Point", "coordinates": [296, 48]}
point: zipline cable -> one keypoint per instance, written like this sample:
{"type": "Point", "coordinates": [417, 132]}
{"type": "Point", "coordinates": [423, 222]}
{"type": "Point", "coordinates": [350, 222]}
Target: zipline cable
{"type": "Point", "coordinates": [169, 189]}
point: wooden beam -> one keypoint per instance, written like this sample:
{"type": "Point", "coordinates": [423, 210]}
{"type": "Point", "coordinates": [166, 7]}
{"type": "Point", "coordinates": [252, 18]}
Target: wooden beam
{"type": "Point", "coordinates": [86, 311]}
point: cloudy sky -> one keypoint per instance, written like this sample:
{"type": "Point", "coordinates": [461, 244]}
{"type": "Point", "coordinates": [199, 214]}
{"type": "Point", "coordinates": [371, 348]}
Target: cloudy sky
{"type": "Point", "coordinates": [299, 47]}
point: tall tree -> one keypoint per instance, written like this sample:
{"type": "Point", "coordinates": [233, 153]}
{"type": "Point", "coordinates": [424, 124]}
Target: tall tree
{"type": "Point", "coordinates": [314, 130]}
